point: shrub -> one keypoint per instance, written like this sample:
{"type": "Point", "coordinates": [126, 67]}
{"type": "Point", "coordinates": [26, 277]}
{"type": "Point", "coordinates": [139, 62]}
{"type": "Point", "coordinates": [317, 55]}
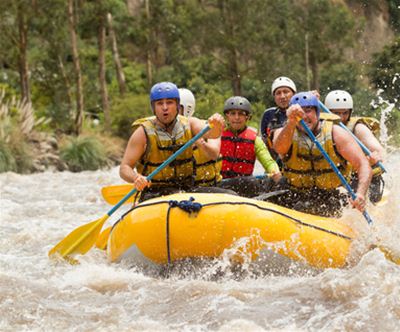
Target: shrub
{"type": "Point", "coordinates": [7, 160]}
{"type": "Point", "coordinates": [83, 153]}
{"type": "Point", "coordinates": [127, 109]}
{"type": "Point", "coordinates": [23, 156]}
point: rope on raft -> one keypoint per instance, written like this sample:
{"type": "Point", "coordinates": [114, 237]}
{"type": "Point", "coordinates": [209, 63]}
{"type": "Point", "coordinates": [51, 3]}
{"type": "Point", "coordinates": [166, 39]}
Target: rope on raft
{"type": "Point", "coordinates": [190, 206]}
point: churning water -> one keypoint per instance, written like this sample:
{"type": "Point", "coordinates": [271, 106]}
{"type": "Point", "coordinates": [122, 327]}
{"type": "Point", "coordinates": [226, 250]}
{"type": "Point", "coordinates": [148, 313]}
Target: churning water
{"type": "Point", "coordinates": [37, 294]}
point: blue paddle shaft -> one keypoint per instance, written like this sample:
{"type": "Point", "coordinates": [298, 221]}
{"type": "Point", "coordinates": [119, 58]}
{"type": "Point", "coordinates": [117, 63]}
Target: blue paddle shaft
{"type": "Point", "coordinates": [361, 144]}
{"type": "Point", "coordinates": [334, 167]}
{"type": "Point", "coordinates": [161, 167]}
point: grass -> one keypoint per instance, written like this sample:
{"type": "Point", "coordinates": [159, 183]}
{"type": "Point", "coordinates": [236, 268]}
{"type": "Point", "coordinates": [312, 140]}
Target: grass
{"type": "Point", "coordinates": [7, 160]}
{"type": "Point", "coordinates": [83, 153]}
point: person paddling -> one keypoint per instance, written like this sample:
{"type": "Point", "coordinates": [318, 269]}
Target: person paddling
{"type": "Point", "coordinates": [340, 102]}
{"type": "Point", "coordinates": [312, 182]}
{"type": "Point", "coordinates": [240, 147]}
{"type": "Point", "coordinates": [206, 151]}
{"type": "Point", "coordinates": [156, 138]}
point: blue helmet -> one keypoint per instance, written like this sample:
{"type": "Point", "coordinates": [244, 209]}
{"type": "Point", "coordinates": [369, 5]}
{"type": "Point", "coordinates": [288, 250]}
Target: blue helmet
{"type": "Point", "coordinates": [305, 99]}
{"type": "Point", "coordinates": [164, 90]}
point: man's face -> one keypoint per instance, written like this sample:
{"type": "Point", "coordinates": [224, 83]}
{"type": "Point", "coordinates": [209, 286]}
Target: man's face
{"type": "Point", "coordinates": [282, 97]}
{"type": "Point", "coordinates": [165, 110]}
{"type": "Point", "coordinates": [237, 119]}
{"type": "Point", "coordinates": [344, 114]}
{"type": "Point", "coordinates": [311, 118]}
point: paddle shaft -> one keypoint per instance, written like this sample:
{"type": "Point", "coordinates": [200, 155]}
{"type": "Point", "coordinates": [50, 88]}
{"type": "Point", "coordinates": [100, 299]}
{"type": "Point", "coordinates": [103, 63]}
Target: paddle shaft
{"type": "Point", "coordinates": [114, 193]}
{"type": "Point", "coordinates": [361, 144]}
{"type": "Point", "coordinates": [334, 167]}
{"type": "Point", "coordinates": [161, 167]}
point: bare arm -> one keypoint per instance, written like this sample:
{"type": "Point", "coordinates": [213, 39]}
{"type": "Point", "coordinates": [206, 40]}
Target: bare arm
{"type": "Point", "coordinates": [210, 147]}
{"type": "Point", "coordinates": [134, 151]}
{"type": "Point", "coordinates": [365, 135]}
{"type": "Point", "coordinates": [350, 150]}
{"type": "Point", "coordinates": [283, 137]}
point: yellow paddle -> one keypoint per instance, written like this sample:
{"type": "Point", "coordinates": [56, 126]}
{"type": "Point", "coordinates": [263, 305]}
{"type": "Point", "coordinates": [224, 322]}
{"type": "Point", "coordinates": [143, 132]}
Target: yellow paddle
{"type": "Point", "coordinates": [113, 194]}
{"type": "Point", "coordinates": [102, 240]}
{"type": "Point", "coordinates": [84, 237]}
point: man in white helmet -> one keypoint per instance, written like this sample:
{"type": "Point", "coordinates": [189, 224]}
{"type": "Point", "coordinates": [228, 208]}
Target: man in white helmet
{"type": "Point", "coordinates": [340, 102]}
{"type": "Point", "coordinates": [282, 89]}
{"type": "Point", "coordinates": [187, 102]}
{"type": "Point", "coordinates": [206, 151]}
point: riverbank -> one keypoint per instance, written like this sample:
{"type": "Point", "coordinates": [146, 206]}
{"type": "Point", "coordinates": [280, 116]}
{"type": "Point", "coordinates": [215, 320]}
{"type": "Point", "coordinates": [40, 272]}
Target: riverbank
{"type": "Point", "coordinates": [44, 149]}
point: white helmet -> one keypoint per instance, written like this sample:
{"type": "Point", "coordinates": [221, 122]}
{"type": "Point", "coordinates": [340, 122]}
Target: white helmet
{"type": "Point", "coordinates": [188, 102]}
{"type": "Point", "coordinates": [338, 99]}
{"type": "Point", "coordinates": [283, 81]}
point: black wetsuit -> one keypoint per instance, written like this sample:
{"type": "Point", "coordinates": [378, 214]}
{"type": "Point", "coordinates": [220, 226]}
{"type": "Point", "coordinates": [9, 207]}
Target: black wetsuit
{"type": "Point", "coordinates": [273, 118]}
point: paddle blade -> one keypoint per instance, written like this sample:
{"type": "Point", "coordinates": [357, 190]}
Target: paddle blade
{"type": "Point", "coordinates": [113, 194]}
{"type": "Point", "coordinates": [102, 240]}
{"type": "Point", "coordinates": [389, 255]}
{"type": "Point", "coordinates": [80, 240]}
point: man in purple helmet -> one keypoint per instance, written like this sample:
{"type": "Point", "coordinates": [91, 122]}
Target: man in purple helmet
{"type": "Point", "coordinates": [312, 182]}
{"type": "Point", "coordinates": [156, 138]}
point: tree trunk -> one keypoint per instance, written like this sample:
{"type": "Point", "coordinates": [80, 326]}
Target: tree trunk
{"type": "Point", "coordinates": [117, 61]}
{"type": "Point", "coordinates": [22, 54]}
{"type": "Point", "coordinates": [315, 72]}
{"type": "Point", "coordinates": [77, 68]}
{"type": "Point", "coordinates": [149, 65]}
{"type": "Point", "coordinates": [66, 80]}
{"type": "Point", "coordinates": [102, 73]}
{"type": "Point", "coordinates": [236, 81]}
{"type": "Point", "coordinates": [233, 60]}
{"type": "Point", "coordinates": [307, 62]}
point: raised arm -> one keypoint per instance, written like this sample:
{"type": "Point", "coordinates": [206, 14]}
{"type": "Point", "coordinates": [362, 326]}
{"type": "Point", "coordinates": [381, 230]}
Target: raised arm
{"type": "Point", "coordinates": [216, 121]}
{"type": "Point", "coordinates": [283, 137]}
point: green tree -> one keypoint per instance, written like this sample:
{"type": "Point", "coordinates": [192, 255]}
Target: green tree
{"type": "Point", "coordinates": [324, 29]}
{"type": "Point", "coordinates": [385, 75]}
{"type": "Point", "coordinates": [385, 72]}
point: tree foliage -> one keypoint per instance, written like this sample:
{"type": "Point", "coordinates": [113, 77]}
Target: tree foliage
{"type": "Point", "coordinates": [216, 48]}
{"type": "Point", "coordinates": [385, 71]}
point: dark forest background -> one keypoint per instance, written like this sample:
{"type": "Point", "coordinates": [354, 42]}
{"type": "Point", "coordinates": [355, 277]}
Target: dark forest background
{"type": "Point", "coordinates": [80, 70]}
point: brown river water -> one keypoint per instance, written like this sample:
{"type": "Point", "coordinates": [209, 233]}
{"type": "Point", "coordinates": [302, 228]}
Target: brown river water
{"type": "Point", "coordinates": [37, 294]}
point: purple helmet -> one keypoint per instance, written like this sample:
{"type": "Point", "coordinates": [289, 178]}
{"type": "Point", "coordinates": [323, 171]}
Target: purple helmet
{"type": "Point", "coordinates": [164, 90]}
{"type": "Point", "coordinates": [305, 99]}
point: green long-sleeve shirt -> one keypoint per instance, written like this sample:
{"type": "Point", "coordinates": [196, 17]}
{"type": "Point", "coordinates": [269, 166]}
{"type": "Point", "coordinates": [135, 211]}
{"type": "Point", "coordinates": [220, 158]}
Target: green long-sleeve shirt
{"type": "Point", "coordinates": [264, 157]}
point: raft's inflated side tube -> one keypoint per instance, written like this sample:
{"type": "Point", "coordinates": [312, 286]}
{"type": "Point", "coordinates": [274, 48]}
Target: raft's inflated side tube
{"type": "Point", "coordinates": [222, 220]}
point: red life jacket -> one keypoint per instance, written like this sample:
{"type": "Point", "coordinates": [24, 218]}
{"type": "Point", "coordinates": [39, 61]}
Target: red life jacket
{"type": "Point", "coordinates": [238, 153]}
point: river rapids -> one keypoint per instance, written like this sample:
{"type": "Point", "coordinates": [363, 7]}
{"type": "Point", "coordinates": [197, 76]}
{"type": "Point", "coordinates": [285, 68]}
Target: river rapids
{"type": "Point", "coordinates": [37, 294]}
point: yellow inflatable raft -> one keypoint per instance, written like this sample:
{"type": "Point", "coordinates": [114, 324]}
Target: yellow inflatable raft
{"type": "Point", "coordinates": [178, 226]}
